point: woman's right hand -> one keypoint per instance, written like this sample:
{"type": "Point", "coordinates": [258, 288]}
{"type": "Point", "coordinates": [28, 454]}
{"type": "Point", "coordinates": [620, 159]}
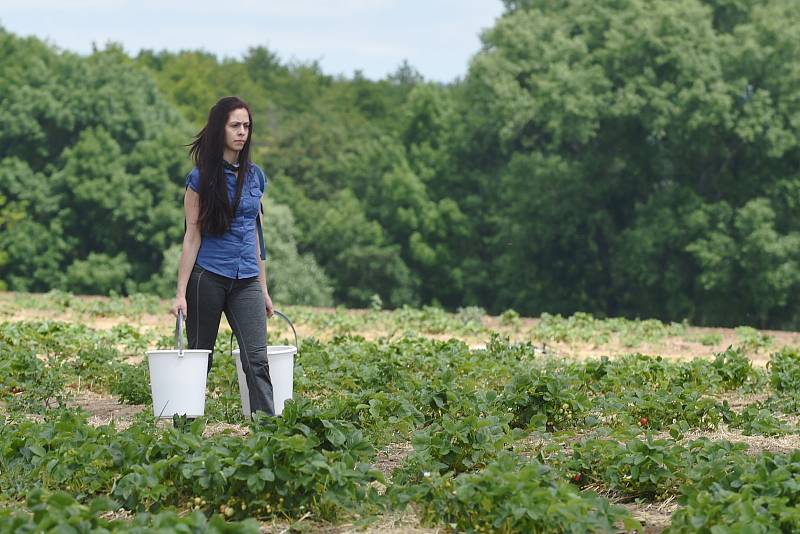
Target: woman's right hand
{"type": "Point", "coordinates": [180, 304]}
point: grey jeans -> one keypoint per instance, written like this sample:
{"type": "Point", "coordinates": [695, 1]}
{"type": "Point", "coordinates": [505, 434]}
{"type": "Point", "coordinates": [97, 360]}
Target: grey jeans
{"type": "Point", "coordinates": [207, 296]}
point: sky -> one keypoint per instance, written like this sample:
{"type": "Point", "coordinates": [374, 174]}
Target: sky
{"type": "Point", "coordinates": [437, 37]}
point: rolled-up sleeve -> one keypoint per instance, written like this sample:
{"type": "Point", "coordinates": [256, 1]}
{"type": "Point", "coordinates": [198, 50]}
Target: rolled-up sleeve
{"type": "Point", "coordinates": [193, 180]}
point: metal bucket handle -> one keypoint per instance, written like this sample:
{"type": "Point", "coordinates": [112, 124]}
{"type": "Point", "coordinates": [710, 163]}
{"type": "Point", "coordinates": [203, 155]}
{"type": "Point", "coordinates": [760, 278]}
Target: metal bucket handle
{"type": "Point", "coordinates": [179, 320]}
{"type": "Point", "coordinates": [282, 316]}
{"type": "Point", "coordinates": [289, 322]}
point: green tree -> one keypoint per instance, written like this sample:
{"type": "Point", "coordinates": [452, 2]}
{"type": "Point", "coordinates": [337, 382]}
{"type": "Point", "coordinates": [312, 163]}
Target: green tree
{"type": "Point", "coordinates": [293, 278]}
{"type": "Point", "coordinates": [357, 255]}
{"type": "Point", "coordinates": [595, 113]}
{"type": "Point", "coordinates": [99, 273]}
{"type": "Point", "coordinates": [745, 257]}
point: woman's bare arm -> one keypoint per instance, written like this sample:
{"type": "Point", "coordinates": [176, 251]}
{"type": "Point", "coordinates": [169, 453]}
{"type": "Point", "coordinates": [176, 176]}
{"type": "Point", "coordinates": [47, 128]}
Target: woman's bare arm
{"type": "Point", "coordinates": [191, 244]}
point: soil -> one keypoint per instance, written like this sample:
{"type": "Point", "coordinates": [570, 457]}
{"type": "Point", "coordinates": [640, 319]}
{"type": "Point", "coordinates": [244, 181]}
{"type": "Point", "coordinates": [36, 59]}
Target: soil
{"type": "Point", "coordinates": [388, 459]}
{"type": "Point", "coordinates": [654, 517]}
{"type": "Point", "coordinates": [392, 523]}
{"type": "Point", "coordinates": [755, 444]}
{"type": "Point", "coordinates": [105, 408]}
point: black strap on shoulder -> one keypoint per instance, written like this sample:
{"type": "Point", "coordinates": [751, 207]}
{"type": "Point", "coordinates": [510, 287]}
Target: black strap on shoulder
{"type": "Point", "coordinates": [261, 236]}
{"type": "Point", "coordinates": [262, 184]}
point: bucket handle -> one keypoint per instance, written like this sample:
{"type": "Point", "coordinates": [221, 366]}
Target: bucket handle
{"type": "Point", "coordinates": [282, 316]}
{"type": "Point", "coordinates": [288, 321]}
{"type": "Point", "coordinates": [179, 320]}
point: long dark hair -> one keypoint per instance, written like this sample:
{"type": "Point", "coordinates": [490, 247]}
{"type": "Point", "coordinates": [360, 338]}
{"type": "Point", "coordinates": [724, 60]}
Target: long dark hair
{"type": "Point", "coordinates": [207, 149]}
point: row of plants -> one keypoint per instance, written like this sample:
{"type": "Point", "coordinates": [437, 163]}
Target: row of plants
{"type": "Point", "coordinates": [277, 469]}
{"type": "Point", "coordinates": [471, 320]}
{"type": "Point", "coordinates": [262, 480]}
{"type": "Point", "coordinates": [60, 511]}
{"type": "Point", "coordinates": [114, 305]}
{"type": "Point", "coordinates": [340, 321]}
{"type": "Point", "coordinates": [583, 327]}
{"type": "Point", "coordinates": [42, 363]}
{"type": "Point", "coordinates": [408, 381]}
{"type": "Point", "coordinates": [301, 462]}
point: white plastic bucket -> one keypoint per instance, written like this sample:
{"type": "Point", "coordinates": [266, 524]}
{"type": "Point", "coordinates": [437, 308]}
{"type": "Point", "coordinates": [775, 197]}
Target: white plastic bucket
{"type": "Point", "coordinates": [178, 381]}
{"type": "Point", "coordinates": [281, 372]}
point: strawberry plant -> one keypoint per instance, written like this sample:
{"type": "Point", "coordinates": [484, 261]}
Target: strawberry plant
{"type": "Point", "coordinates": [384, 416]}
{"type": "Point", "coordinates": [509, 496]}
{"type": "Point", "coordinates": [510, 318]}
{"type": "Point", "coordinates": [456, 445]}
{"type": "Point", "coordinates": [636, 468]}
{"type": "Point", "coordinates": [133, 383]}
{"type": "Point", "coordinates": [291, 465]}
{"type": "Point", "coordinates": [542, 398]}
{"type": "Point", "coordinates": [733, 367]}
{"type": "Point", "coordinates": [760, 492]}
{"type": "Point", "coordinates": [784, 367]}
{"type": "Point", "coordinates": [583, 327]}
{"type": "Point", "coordinates": [95, 367]}
{"type": "Point", "coordinates": [662, 409]}
{"type": "Point", "coordinates": [60, 512]}
{"type": "Point", "coordinates": [590, 459]}
{"type": "Point", "coordinates": [752, 339]}
{"type": "Point", "coordinates": [756, 420]}
{"type": "Point", "coordinates": [648, 468]}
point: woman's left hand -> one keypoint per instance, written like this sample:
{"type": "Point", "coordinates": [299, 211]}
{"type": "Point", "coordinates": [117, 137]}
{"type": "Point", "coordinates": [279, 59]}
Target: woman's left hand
{"type": "Point", "coordinates": [268, 304]}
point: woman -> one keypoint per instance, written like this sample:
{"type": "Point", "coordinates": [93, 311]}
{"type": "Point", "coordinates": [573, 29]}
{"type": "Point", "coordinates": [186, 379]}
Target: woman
{"type": "Point", "coordinates": [220, 270]}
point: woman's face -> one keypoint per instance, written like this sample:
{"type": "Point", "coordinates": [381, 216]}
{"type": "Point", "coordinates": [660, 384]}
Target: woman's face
{"type": "Point", "coordinates": [237, 130]}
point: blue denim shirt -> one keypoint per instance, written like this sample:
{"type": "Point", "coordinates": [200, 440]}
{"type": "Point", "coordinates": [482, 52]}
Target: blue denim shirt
{"type": "Point", "coordinates": [233, 254]}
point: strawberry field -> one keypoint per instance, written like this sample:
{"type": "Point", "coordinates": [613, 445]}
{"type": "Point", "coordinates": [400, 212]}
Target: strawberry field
{"type": "Point", "coordinates": [403, 421]}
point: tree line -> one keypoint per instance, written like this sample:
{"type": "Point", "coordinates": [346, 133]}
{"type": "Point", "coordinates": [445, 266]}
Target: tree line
{"type": "Point", "coordinates": [627, 158]}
